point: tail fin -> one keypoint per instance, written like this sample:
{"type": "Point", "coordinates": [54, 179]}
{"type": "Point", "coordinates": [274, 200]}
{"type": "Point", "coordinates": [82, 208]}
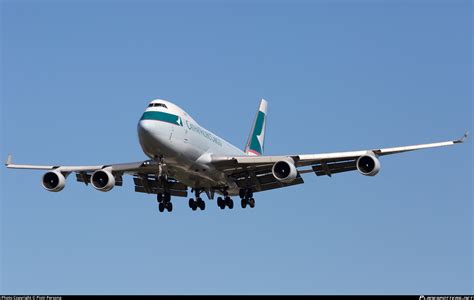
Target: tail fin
{"type": "Point", "coordinates": [257, 135]}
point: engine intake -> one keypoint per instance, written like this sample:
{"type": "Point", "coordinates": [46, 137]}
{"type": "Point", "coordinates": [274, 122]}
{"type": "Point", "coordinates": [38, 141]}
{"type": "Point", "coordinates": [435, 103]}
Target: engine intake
{"type": "Point", "coordinates": [103, 180]}
{"type": "Point", "coordinates": [53, 181]}
{"type": "Point", "coordinates": [285, 171]}
{"type": "Point", "coordinates": [368, 165]}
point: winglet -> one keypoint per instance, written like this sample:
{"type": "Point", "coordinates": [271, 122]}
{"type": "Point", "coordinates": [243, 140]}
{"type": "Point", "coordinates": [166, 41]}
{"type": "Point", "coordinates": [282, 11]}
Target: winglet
{"type": "Point", "coordinates": [464, 137]}
{"type": "Point", "coordinates": [9, 160]}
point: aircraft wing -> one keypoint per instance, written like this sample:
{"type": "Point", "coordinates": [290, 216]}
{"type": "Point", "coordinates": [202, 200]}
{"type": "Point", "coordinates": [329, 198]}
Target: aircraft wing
{"type": "Point", "coordinates": [121, 167]}
{"type": "Point", "coordinates": [256, 171]}
{"type": "Point", "coordinates": [145, 175]}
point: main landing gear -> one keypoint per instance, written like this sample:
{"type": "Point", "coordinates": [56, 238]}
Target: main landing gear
{"type": "Point", "coordinates": [164, 202]}
{"type": "Point", "coordinates": [246, 197]}
{"type": "Point", "coordinates": [227, 201]}
{"type": "Point", "coordinates": [198, 203]}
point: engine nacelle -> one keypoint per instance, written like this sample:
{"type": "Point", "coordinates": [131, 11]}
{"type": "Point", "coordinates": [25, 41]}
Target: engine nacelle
{"type": "Point", "coordinates": [103, 180]}
{"type": "Point", "coordinates": [53, 181]}
{"type": "Point", "coordinates": [368, 165]}
{"type": "Point", "coordinates": [285, 171]}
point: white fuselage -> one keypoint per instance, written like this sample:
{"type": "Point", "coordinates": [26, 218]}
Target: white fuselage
{"type": "Point", "coordinates": [169, 133]}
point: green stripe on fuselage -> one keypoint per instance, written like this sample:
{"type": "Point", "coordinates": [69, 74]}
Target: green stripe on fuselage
{"type": "Point", "coordinates": [162, 116]}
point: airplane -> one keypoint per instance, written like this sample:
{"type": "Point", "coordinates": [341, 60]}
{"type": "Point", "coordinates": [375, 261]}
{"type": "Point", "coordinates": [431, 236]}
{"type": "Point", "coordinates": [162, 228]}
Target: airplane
{"type": "Point", "coordinates": [182, 155]}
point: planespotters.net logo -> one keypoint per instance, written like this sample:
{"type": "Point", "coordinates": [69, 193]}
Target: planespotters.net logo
{"type": "Point", "coordinates": [422, 297]}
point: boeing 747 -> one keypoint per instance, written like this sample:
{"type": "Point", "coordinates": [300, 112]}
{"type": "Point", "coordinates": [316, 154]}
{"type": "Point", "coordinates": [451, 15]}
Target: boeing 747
{"type": "Point", "coordinates": [183, 155]}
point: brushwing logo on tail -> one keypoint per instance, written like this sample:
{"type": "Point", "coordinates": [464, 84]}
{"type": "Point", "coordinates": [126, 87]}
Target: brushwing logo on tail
{"type": "Point", "coordinates": [258, 135]}
{"type": "Point", "coordinates": [256, 140]}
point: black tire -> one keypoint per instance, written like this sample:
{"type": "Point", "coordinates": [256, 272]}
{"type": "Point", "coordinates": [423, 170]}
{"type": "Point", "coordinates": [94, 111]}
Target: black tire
{"type": "Point", "coordinates": [167, 197]}
{"type": "Point", "coordinates": [252, 202]}
{"type": "Point", "coordinates": [202, 205]}
{"type": "Point", "coordinates": [221, 203]}
{"type": "Point", "coordinates": [169, 206]}
{"type": "Point", "coordinates": [243, 203]}
{"type": "Point", "coordinates": [161, 207]}
{"type": "Point", "coordinates": [191, 201]}
{"type": "Point", "coordinates": [194, 205]}
{"type": "Point", "coordinates": [230, 203]}
{"type": "Point", "coordinates": [159, 198]}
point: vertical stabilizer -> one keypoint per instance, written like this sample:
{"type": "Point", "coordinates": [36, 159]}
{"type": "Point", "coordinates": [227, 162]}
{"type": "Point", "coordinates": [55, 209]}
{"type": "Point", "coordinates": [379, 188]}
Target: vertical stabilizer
{"type": "Point", "coordinates": [257, 134]}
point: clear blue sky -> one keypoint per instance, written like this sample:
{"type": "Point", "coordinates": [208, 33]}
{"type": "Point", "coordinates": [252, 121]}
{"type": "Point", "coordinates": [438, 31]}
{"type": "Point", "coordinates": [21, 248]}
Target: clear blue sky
{"type": "Point", "coordinates": [76, 77]}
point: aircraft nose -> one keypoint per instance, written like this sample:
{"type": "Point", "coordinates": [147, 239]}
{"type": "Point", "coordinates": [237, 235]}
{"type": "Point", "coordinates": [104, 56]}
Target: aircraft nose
{"type": "Point", "coordinates": [154, 138]}
{"type": "Point", "coordinates": [150, 129]}
{"type": "Point", "coordinates": [145, 127]}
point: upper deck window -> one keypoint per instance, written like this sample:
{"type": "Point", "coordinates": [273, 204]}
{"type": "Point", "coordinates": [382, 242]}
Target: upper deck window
{"type": "Point", "coordinates": [157, 105]}
{"type": "Point", "coordinates": [160, 105]}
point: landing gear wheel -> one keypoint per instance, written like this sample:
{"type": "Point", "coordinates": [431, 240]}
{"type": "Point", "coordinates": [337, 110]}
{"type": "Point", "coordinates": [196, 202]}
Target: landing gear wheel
{"type": "Point", "coordinates": [192, 204]}
{"type": "Point", "coordinates": [220, 203]}
{"type": "Point", "coordinates": [202, 205]}
{"type": "Point", "coordinates": [252, 202]}
{"type": "Point", "coordinates": [169, 206]}
{"type": "Point", "coordinates": [229, 202]}
{"type": "Point", "coordinates": [161, 207]}
{"type": "Point", "coordinates": [243, 203]}
{"type": "Point", "coordinates": [159, 198]}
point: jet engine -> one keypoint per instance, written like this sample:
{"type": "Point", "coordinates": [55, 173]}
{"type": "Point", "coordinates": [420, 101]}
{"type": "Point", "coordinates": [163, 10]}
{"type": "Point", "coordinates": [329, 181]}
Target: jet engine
{"type": "Point", "coordinates": [103, 180]}
{"type": "Point", "coordinates": [53, 181]}
{"type": "Point", "coordinates": [368, 165]}
{"type": "Point", "coordinates": [285, 171]}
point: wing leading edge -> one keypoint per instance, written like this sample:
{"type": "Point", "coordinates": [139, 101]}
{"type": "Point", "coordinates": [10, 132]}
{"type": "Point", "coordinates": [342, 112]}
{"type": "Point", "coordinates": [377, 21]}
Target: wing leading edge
{"type": "Point", "coordinates": [121, 167]}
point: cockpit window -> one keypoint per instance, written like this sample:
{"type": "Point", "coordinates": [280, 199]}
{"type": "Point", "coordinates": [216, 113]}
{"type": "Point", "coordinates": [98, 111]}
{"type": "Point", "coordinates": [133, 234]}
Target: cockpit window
{"type": "Point", "coordinates": [157, 105]}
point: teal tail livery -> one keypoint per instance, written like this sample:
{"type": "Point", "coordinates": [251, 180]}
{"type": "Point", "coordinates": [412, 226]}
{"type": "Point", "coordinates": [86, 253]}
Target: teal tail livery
{"type": "Point", "coordinates": [257, 134]}
{"type": "Point", "coordinates": [182, 155]}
